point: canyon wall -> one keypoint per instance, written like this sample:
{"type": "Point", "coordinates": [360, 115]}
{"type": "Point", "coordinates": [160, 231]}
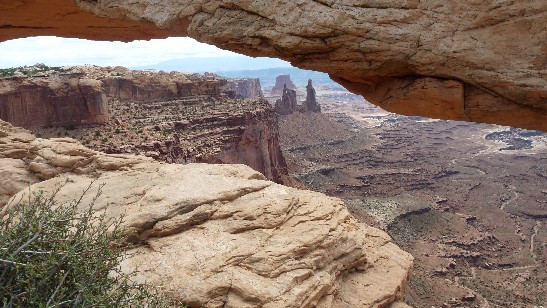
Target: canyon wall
{"type": "Point", "coordinates": [62, 100]}
{"type": "Point", "coordinates": [256, 146]}
{"type": "Point", "coordinates": [468, 60]}
{"type": "Point", "coordinates": [243, 88]}
{"type": "Point", "coordinates": [154, 86]}
{"type": "Point", "coordinates": [188, 117]}
{"type": "Point", "coordinates": [215, 235]}
{"type": "Point", "coordinates": [282, 82]}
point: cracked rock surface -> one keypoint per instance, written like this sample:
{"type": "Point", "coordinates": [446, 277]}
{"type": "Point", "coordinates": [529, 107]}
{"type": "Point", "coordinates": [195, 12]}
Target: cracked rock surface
{"type": "Point", "coordinates": [217, 235]}
{"type": "Point", "coordinates": [468, 60]}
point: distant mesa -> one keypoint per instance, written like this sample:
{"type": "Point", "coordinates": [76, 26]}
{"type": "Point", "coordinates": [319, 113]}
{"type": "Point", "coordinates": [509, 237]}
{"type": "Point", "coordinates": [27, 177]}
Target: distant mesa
{"type": "Point", "coordinates": [36, 96]}
{"type": "Point", "coordinates": [243, 88]}
{"type": "Point", "coordinates": [288, 103]}
{"type": "Point", "coordinates": [281, 82]}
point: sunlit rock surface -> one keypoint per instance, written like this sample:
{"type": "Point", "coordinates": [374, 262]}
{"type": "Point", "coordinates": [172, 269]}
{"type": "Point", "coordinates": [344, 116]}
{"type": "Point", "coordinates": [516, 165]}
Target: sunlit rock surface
{"type": "Point", "coordinates": [217, 235]}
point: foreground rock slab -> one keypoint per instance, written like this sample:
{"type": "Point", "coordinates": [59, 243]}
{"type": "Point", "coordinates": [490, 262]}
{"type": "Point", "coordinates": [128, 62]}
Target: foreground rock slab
{"type": "Point", "coordinates": [217, 235]}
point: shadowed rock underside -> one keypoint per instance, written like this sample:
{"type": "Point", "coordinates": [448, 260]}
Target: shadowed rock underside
{"type": "Point", "coordinates": [469, 60]}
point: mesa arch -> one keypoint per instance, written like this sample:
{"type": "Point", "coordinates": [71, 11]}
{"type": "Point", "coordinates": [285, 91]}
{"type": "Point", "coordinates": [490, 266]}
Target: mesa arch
{"type": "Point", "coordinates": [471, 60]}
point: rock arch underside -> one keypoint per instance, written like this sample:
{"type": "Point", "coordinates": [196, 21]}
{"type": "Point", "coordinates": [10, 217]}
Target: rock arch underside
{"type": "Point", "coordinates": [481, 61]}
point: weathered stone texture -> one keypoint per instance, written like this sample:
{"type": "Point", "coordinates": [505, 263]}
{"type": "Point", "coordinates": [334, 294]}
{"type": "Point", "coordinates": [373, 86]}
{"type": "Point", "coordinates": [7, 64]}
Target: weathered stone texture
{"type": "Point", "coordinates": [243, 88]}
{"type": "Point", "coordinates": [369, 46]}
{"type": "Point", "coordinates": [311, 104]}
{"type": "Point", "coordinates": [217, 235]}
{"type": "Point", "coordinates": [287, 104]}
{"type": "Point", "coordinates": [70, 99]}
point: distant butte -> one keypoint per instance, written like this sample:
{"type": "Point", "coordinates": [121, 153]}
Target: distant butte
{"type": "Point", "coordinates": [282, 82]}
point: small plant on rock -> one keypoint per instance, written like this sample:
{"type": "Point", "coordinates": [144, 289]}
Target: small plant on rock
{"type": "Point", "coordinates": [57, 256]}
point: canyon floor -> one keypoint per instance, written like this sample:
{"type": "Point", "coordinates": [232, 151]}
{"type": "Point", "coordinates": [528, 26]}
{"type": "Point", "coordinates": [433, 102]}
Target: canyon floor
{"type": "Point", "coordinates": [177, 131]}
{"type": "Point", "coordinates": [468, 201]}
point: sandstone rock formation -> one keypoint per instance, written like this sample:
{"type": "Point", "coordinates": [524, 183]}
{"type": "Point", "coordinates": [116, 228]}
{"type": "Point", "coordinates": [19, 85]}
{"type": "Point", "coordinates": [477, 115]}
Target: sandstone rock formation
{"type": "Point", "coordinates": [67, 99]}
{"type": "Point", "coordinates": [311, 103]}
{"type": "Point", "coordinates": [287, 104]}
{"type": "Point", "coordinates": [155, 86]}
{"type": "Point", "coordinates": [468, 60]}
{"type": "Point", "coordinates": [173, 117]}
{"type": "Point", "coordinates": [243, 88]}
{"type": "Point", "coordinates": [281, 82]}
{"type": "Point", "coordinates": [81, 95]}
{"type": "Point", "coordinates": [255, 144]}
{"type": "Point", "coordinates": [217, 235]}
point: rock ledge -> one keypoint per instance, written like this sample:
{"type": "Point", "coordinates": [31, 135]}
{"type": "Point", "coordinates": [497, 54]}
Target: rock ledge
{"type": "Point", "coordinates": [218, 235]}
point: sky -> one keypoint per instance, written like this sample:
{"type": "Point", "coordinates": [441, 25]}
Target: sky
{"type": "Point", "coordinates": [56, 51]}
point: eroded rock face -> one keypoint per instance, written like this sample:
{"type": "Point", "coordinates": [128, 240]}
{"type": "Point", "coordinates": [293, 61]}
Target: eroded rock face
{"type": "Point", "coordinates": [219, 235]}
{"type": "Point", "coordinates": [180, 113]}
{"type": "Point", "coordinates": [70, 99]}
{"type": "Point", "coordinates": [395, 53]}
{"type": "Point", "coordinates": [287, 104]}
{"type": "Point", "coordinates": [282, 82]}
{"type": "Point", "coordinates": [311, 104]}
{"type": "Point", "coordinates": [255, 144]}
{"type": "Point", "coordinates": [244, 88]}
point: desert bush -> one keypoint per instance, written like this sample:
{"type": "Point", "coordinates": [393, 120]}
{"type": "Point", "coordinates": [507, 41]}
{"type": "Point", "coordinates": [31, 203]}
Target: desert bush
{"type": "Point", "coordinates": [53, 255]}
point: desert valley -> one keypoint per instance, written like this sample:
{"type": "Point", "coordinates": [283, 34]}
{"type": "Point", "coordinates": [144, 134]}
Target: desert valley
{"type": "Point", "coordinates": [450, 193]}
{"type": "Point", "coordinates": [400, 161]}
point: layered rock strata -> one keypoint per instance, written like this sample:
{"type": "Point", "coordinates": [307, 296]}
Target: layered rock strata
{"type": "Point", "coordinates": [282, 82]}
{"type": "Point", "coordinates": [243, 88]}
{"type": "Point", "coordinates": [145, 86]}
{"type": "Point", "coordinates": [255, 144]}
{"type": "Point", "coordinates": [81, 95]}
{"type": "Point", "coordinates": [469, 60]}
{"type": "Point", "coordinates": [216, 235]}
{"type": "Point", "coordinates": [173, 117]}
{"type": "Point", "coordinates": [60, 100]}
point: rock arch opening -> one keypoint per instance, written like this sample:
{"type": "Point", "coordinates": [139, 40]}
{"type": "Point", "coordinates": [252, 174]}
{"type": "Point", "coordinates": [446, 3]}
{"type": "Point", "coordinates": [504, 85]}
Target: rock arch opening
{"type": "Point", "coordinates": [471, 61]}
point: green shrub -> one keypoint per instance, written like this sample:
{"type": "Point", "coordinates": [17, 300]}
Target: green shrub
{"type": "Point", "coordinates": [55, 256]}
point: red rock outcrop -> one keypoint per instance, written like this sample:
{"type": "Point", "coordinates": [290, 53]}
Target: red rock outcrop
{"type": "Point", "coordinates": [60, 100]}
{"type": "Point", "coordinates": [124, 84]}
{"type": "Point", "coordinates": [256, 146]}
{"type": "Point", "coordinates": [172, 117]}
{"type": "Point", "coordinates": [311, 104]}
{"type": "Point", "coordinates": [287, 104]}
{"type": "Point", "coordinates": [396, 54]}
{"type": "Point", "coordinates": [282, 82]}
{"type": "Point", "coordinates": [243, 88]}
